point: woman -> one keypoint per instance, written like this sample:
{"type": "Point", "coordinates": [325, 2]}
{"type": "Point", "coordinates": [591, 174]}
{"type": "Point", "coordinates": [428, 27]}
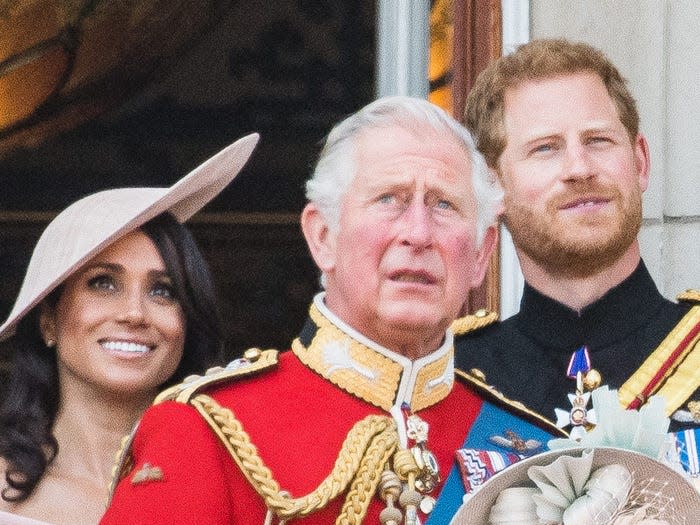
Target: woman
{"type": "Point", "coordinates": [116, 304]}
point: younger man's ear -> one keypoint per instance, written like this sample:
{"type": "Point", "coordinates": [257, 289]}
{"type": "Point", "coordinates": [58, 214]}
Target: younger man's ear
{"type": "Point", "coordinates": [642, 160]}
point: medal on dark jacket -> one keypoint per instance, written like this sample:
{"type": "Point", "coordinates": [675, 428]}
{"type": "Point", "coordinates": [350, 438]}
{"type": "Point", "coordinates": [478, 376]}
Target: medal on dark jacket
{"type": "Point", "coordinates": [579, 418]}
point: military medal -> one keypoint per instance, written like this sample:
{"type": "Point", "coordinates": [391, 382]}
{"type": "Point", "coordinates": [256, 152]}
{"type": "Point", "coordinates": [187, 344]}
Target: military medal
{"type": "Point", "coordinates": [429, 474]}
{"type": "Point", "coordinates": [476, 466]}
{"type": "Point", "coordinates": [580, 418]}
{"type": "Point", "coordinates": [415, 474]}
{"type": "Point", "coordinates": [514, 443]}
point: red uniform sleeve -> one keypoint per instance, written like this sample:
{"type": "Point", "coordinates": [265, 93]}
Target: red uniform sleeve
{"type": "Point", "coordinates": [175, 444]}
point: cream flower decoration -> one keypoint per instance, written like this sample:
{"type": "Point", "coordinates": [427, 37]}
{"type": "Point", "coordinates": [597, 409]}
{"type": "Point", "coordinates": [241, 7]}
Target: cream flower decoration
{"type": "Point", "coordinates": [568, 492]}
{"type": "Point", "coordinates": [644, 431]}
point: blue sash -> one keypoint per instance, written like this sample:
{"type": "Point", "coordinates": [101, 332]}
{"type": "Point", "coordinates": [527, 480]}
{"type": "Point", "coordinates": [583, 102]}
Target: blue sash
{"type": "Point", "coordinates": [491, 421]}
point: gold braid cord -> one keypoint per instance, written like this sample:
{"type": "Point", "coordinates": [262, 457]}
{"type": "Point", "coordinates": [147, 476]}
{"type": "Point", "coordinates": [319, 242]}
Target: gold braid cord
{"type": "Point", "coordinates": [363, 487]}
{"type": "Point", "coordinates": [470, 323]}
{"type": "Point", "coordinates": [360, 462]}
{"type": "Point", "coordinates": [681, 379]}
{"type": "Point", "coordinates": [689, 296]}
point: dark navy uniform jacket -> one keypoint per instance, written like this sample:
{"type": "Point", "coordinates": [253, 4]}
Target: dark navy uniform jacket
{"type": "Point", "coordinates": [526, 356]}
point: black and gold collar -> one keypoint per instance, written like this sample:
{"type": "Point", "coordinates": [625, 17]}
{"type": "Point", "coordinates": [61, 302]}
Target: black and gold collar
{"type": "Point", "coordinates": [612, 318]}
{"type": "Point", "coordinates": [369, 371]}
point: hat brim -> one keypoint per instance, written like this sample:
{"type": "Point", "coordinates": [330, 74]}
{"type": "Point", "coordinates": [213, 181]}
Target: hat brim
{"type": "Point", "coordinates": [476, 510]}
{"type": "Point", "coordinates": [92, 223]}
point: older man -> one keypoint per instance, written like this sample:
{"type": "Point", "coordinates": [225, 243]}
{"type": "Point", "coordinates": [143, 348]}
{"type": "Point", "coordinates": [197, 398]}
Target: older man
{"type": "Point", "coordinates": [557, 122]}
{"type": "Point", "coordinates": [364, 416]}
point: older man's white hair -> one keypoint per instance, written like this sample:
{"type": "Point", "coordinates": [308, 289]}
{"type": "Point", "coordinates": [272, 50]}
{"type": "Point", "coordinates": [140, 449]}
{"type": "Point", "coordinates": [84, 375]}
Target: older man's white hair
{"type": "Point", "coordinates": [336, 169]}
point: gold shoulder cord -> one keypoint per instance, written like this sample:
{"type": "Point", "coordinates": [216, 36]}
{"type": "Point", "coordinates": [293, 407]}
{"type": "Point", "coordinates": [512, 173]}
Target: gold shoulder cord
{"type": "Point", "coordinates": [123, 463]}
{"type": "Point", "coordinates": [253, 361]}
{"type": "Point", "coordinates": [470, 323]}
{"type": "Point", "coordinates": [683, 376]}
{"type": "Point", "coordinates": [689, 296]}
{"type": "Point", "coordinates": [367, 448]}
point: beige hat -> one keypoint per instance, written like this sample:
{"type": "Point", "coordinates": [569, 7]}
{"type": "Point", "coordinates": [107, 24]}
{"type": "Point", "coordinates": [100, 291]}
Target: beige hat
{"type": "Point", "coordinates": [660, 486]}
{"type": "Point", "coordinates": [89, 225]}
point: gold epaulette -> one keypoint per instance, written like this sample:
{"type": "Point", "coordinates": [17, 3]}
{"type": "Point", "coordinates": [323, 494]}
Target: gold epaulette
{"type": "Point", "coordinates": [253, 361]}
{"type": "Point", "coordinates": [689, 296]}
{"type": "Point", "coordinates": [476, 380]}
{"type": "Point", "coordinates": [475, 321]}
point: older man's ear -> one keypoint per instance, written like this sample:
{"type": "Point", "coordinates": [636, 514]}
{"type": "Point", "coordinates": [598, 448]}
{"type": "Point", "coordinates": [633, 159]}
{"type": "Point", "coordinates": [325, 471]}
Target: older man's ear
{"type": "Point", "coordinates": [319, 238]}
{"type": "Point", "coordinates": [483, 256]}
{"type": "Point", "coordinates": [490, 241]}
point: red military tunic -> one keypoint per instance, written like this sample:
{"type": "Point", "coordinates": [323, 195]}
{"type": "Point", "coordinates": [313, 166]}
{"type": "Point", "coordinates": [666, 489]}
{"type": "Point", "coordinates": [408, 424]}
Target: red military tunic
{"type": "Point", "coordinates": [297, 414]}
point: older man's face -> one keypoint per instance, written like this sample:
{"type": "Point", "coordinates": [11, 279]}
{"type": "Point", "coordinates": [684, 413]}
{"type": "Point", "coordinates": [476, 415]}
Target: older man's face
{"type": "Point", "coordinates": [403, 257]}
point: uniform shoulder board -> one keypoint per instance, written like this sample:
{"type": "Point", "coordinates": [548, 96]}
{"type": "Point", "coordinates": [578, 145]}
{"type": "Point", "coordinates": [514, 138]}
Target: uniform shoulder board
{"type": "Point", "coordinates": [469, 323]}
{"type": "Point", "coordinates": [253, 361]}
{"type": "Point", "coordinates": [689, 296]}
{"type": "Point", "coordinates": [477, 381]}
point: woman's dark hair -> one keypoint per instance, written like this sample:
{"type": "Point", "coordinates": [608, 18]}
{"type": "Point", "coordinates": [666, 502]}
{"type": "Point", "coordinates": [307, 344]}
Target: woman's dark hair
{"type": "Point", "coordinates": [29, 401]}
{"type": "Point", "coordinates": [28, 408]}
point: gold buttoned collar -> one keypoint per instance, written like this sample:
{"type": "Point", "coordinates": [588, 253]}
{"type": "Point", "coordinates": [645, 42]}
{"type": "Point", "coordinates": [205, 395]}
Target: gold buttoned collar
{"type": "Point", "coordinates": [371, 372]}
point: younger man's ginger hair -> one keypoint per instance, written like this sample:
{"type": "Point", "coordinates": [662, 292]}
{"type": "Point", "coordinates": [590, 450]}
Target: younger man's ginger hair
{"type": "Point", "coordinates": [538, 60]}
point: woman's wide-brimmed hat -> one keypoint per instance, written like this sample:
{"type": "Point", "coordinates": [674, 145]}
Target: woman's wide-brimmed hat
{"type": "Point", "coordinates": [663, 488]}
{"type": "Point", "coordinates": [92, 223]}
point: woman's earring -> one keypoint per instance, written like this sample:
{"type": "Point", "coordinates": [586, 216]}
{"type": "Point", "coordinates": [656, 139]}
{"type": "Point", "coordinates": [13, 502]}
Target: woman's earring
{"type": "Point", "coordinates": [50, 343]}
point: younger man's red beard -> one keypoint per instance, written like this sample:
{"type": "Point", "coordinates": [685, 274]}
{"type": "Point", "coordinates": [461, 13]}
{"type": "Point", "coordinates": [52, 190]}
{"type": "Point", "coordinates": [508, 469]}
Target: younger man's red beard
{"type": "Point", "coordinates": [559, 249]}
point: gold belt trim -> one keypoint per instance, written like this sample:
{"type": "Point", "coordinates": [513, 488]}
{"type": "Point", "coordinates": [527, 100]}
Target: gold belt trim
{"type": "Point", "coordinates": [681, 377]}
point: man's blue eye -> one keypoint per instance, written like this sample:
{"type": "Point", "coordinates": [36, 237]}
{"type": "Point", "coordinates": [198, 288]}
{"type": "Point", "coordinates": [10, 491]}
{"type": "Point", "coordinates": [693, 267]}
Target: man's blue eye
{"type": "Point", "coordinates": [543, 148]}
